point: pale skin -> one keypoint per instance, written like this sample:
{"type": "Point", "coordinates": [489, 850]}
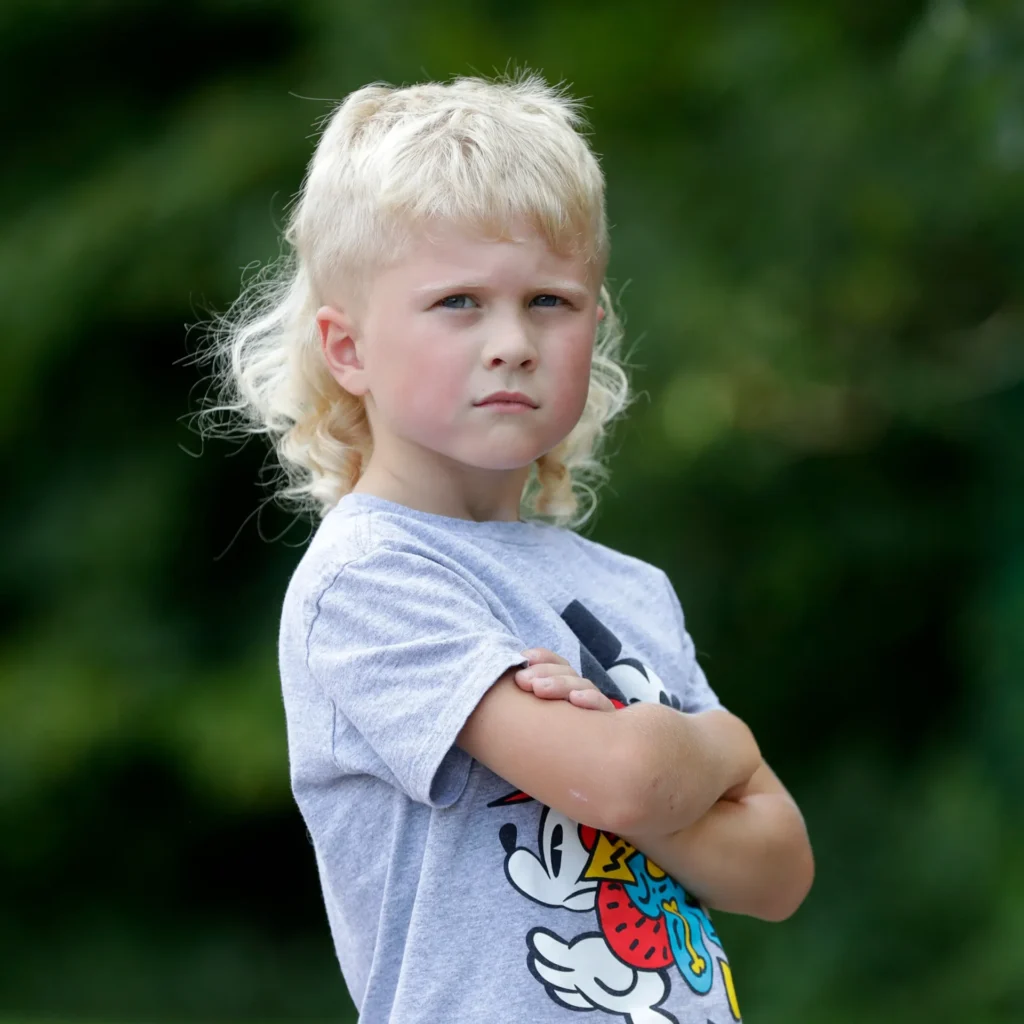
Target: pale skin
{"type": "Point", "coordinates": [450, 321]}
{"type": "Point", "coordinates": [749, 854]}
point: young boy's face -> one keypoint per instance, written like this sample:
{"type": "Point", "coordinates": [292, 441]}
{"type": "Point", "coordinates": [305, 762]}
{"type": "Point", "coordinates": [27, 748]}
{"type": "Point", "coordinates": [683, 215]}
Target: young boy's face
{"type": "Point", "coordinates": [455, 319]}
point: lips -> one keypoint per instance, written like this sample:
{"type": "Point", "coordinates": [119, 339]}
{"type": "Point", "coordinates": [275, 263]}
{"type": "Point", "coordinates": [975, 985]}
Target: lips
{"type": "Point", "coordinates": [516, 397]}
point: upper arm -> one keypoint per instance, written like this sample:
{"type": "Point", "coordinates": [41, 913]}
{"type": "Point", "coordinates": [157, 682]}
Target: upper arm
{"type": "Point", "coordinates": [572, 759]}
{"type": "Point", "coordinates": [402, 646]}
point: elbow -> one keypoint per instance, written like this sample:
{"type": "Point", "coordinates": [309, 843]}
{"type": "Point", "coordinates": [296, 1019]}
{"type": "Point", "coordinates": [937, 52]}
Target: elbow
{"type": "Point", "coordinates": [630, 796]}
{"type": "Point", "coordinates": [648, 798]}
{"type": "Point", "coordinates": [607, 792]}
{"type": "Point", "coordinates": [785, 898]}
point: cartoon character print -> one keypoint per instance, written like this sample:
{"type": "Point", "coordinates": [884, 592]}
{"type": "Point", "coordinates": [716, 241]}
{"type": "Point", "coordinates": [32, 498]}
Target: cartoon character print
{"type": "Point", "coordinates": [647, 922]}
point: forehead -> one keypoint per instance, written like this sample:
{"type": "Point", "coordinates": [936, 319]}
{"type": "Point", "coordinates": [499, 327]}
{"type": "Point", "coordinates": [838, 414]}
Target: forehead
{"type": "Point", "coordinates": [446, 249]}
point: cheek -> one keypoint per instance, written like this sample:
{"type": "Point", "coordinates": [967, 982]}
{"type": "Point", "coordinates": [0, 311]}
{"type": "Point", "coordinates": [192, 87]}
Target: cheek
{"type": "Point", "coordinates": [428, 377]}
{"type": "Point", "coordinates": [575, 356]}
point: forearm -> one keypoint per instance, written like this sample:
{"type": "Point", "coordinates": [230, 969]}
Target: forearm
{"type": "Point", "coordinates": [747, 856]}
{"type": "Point", "coordinates": [682, 763]}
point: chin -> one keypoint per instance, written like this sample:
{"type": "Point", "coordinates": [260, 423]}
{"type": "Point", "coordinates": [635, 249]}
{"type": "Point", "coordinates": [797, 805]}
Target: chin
{"type": "Point", "coordinates": [499, 465]}
{"type": "Point", "coordinates": [506, 459]}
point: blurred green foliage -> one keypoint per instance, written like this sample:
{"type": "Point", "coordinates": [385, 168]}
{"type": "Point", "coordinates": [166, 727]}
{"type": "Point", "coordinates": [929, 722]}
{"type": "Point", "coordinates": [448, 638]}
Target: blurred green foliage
{"type": "Point", "coordinates": [818, 229]}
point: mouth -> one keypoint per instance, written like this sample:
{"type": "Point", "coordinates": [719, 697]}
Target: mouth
{"type": "Point", "coordinates": [505, 398]}
{"type": "Point", "coordinates": [506, 406]}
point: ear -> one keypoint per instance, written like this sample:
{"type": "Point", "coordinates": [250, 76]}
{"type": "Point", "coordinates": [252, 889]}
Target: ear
{"type": "Point", "coordinates": [341, 350]}
{"type": "Point", "coordinates": [600, 313]}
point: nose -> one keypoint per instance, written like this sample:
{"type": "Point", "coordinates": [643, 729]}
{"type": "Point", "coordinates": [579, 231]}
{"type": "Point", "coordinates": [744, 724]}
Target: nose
{"type": "Point", "coordinates": [509, 341]}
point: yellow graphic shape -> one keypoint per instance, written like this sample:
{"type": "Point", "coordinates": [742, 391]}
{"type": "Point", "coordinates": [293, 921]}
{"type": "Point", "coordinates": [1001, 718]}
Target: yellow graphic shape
{"type": "Point", "coordinates": [730, 989]}
{"type": "Point", "coordinates": [608, 859]}
{"type": "Point", "coordinates": [653, 870]}
{"type": "Point", "coordinates": [697, 963]}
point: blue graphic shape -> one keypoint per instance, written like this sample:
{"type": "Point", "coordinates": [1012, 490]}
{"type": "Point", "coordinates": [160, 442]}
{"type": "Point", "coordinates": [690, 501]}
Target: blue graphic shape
{"type": "Point", "coordinates": [685, 920]}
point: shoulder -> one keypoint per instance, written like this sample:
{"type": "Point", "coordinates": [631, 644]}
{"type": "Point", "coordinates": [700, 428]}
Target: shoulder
{"type": "Point", "coordinates": [345, 536]}
{"type": "Point", "coordinates": [617, 561]}
{"type": "Point", "coordinates": [375, 555]}
{"type": "Point", "coordinates": [340, 538]}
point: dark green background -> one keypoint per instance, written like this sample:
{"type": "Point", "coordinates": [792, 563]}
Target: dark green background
{"type": "Point", "coordinates": [818, 244]}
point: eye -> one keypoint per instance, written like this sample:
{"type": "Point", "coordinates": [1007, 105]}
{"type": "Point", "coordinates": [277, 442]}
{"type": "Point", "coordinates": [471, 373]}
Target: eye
{"type": "Point", "coordinates": [556, 850]}
{"type": "Point", "coordinates": [456, 302]}
{"type": "Point", "coordinates": [463, 301]}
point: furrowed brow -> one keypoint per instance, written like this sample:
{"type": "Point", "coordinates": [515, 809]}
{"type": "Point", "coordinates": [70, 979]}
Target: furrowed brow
{"type": "Point", "coordinates": [577, 291]}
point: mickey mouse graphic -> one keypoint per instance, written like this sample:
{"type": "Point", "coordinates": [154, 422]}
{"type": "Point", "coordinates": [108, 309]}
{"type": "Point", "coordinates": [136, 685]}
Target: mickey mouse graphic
{"type": "Point", "coordinates": [646, 920]}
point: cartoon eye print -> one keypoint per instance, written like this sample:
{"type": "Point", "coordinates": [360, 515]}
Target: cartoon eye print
{"type": "Point", "coordinates": [639, 682]}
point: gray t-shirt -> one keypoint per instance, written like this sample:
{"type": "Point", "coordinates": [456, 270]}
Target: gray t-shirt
{"type": "Point", "coordinates": [451, 897]}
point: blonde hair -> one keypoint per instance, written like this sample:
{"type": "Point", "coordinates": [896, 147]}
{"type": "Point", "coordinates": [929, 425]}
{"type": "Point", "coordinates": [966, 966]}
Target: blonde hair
{"type": "Point", "coordinates": [479, 153]}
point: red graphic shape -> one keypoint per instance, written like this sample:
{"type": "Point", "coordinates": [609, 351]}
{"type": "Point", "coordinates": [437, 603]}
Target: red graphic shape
{"type": "Point", "coordinates": [635, 938]}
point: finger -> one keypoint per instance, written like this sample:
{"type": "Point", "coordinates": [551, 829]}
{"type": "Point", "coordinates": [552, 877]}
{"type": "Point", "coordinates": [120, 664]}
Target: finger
{"type": "Point", "coordinates": [558, 687]}
{"type": "Point", "coordinates": [547, 685]}
{"type": "Point", "coordinates": [523, 684]}
{"type": "Point", "coordinates": [547, 671]}
{"type": "Point", "coordinates": [591, 699]}
{"type": "Point", "coordinates": [562, 688]}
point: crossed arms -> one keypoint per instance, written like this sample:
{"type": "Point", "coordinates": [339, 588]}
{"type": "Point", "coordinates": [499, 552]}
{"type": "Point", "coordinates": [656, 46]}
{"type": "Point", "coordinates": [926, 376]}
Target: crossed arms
{"type": "Point", "coordinates": [691, 791]}
{"type": "Point", "coordinates": [747, 854]}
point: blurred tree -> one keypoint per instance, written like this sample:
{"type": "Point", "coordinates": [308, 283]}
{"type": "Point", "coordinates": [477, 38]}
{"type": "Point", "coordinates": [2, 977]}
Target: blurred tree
{"type": "Point", "coordinates": [818, 243]}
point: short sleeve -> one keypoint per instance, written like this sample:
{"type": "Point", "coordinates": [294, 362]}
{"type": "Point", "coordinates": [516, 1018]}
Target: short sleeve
{"type": "Point", "coordinates": [698, 696]}
{"type": "Point", "coordinates": [405, 647]}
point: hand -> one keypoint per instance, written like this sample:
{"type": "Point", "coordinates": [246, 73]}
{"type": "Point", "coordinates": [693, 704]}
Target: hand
{"type": "Point", "coordinates": [551, 677]}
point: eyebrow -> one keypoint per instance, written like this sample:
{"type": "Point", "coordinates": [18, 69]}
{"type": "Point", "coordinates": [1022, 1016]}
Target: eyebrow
{"type": "Point", "coordinates": [457, 287]}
